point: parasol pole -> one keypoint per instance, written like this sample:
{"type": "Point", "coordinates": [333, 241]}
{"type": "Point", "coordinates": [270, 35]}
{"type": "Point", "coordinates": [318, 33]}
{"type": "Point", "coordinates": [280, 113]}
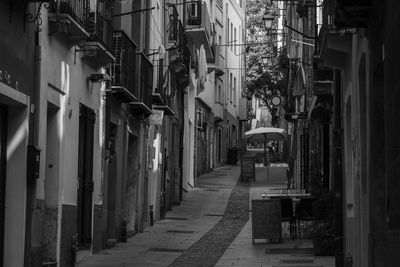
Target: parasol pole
{"type": "Point", "coordinates": [265, 150]}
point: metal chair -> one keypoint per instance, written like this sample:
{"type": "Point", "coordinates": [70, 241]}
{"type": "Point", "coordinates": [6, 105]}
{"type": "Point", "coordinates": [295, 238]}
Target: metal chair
{"type": "Point", "coordinates": [304, 212]}
{"type": "Point", "coordinates": [287, 215]}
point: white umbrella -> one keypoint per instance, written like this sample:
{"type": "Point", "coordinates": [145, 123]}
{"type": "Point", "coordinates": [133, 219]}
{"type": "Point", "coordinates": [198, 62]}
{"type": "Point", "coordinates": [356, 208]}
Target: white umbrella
{"type": "Point", "coordinates": [262, 133]}
{"type": "Point", "coordinates": [265, 134]}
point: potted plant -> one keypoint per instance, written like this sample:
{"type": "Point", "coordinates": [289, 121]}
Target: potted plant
{"type": "Point", "coordinates": [322, 230]}
{"type": "Point", "coordinates": [323, 237]}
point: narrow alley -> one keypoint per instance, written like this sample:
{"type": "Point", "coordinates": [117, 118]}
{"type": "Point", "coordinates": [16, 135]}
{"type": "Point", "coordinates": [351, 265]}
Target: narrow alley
{"type": "Point", "coordinates": [212, 227]}
{"type": "Point", "coordinates": [199, 133]}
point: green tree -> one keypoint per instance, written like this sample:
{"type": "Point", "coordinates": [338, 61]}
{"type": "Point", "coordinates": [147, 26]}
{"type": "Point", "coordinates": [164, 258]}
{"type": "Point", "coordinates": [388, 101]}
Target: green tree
{"type": "Point", "coordinates": [262, 80]}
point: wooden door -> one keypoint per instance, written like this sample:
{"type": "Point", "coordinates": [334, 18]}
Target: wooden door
{"type": "Point", "coordinates": [85, 176]}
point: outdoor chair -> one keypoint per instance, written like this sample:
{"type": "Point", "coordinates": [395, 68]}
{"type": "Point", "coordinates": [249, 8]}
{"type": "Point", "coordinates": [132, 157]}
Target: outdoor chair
{"type": "Point", "coordinates": [287, 215]}
{"type": "Point", "coordinates": [304, 212]}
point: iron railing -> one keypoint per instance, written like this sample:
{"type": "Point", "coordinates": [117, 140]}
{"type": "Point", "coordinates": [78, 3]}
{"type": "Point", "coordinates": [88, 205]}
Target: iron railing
{"type": "Point", "coordinates": [198, 17]}
{"type": "Point", "coordinates": [173, 24]}
{"type": "Point", "coordinates": [104, 31]}
{"type": "Point", "coordinates": [123, 69]}
{"type": "Point", "coordinates": [77, 9]}
{"type": "Point", "coordinates": [146, 79]}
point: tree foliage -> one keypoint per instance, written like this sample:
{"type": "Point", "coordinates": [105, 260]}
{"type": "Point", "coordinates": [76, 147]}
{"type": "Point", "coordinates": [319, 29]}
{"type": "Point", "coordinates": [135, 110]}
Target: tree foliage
{"type": "Point", "coordinates": [261, 79]}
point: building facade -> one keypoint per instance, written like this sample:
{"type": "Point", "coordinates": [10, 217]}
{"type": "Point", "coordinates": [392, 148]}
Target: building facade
{"type": "Point", "coordinates": [109, 110]}
{"type": "Point", "coordinates": [218, 124]}
{"type": "Point", "coordinates": [18, 142]}
{"type": "Point", "coordinates": [346, 137]}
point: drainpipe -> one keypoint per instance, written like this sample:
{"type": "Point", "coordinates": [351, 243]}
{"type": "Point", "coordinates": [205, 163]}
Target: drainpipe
{"type": "Point", "coordinates": [147, 28]}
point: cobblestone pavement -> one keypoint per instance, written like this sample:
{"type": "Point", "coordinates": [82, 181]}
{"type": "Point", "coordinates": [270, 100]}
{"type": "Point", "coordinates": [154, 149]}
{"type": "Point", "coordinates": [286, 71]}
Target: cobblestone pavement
{"type": "Point", "coordinates": [209, 249]}
{"type": "Point", "coordinates": [158, 246]}
{"type": "Point", "coordinates": [211, 227]}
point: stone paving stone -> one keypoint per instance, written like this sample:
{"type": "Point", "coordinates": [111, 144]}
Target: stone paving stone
{"type": "Point", "coordinates": [211, 246]}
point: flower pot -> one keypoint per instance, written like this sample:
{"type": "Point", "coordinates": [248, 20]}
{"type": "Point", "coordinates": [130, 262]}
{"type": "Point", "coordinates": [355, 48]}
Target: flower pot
{"type": "Point", "coordinates": [324, 246]}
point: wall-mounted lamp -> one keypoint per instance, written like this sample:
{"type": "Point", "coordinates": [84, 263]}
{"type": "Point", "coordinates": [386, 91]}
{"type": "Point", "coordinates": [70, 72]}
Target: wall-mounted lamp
{"type": "Point", "coordinates": [268, 21]}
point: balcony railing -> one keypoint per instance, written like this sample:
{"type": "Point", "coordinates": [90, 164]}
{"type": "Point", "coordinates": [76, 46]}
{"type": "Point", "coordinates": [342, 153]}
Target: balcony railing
{"type": "Point", "coordinates": [102, 30]}
{"type": "Point", "coordinates": [352, 13]}
{"type": "Point", "coordinates": [218, 62]}
{"type": "Point", "coordinates": [123, 69]}
{"type": "Point", "coordinates": [198, 26]}
{"type": "Point", "coordinates": [323, 82]}
{"type": "Point", "coordinates": [197, 16]}
{"type": "Point", "coordinates": [176, 30]}
{"type": "Point", "coordinates": [145, 78]}
{"type": "Point", "coordinates": [173, 24]}
{"type": "Point", "coordinates": [77, 9]}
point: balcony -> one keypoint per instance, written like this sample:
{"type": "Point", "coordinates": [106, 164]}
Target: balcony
{"type": "Point", "coordinates": [70, 17]}
{"type": "Point", "coordinates": [323, 83]}
{"type": "Point", "coordinates": [198, 27]}
{"type": "Point", "coordinates": [352, 13]}
{"type": "Point", "coordinates": [97, 47]}
{"type": "Point", "coordinates": [173, 25]}
{"type": "Point", "coordinates": [123, 70]}
{"type": "Point", "coordinates": [303, 7]}
{"type": "Point", "coordinates": [144, 72]}
{"type": "Point", "coordinates": [159, 93]}
{"type": "Point", "coordinates": [218, 64]}
{"type": "Point", "coordinates": [166, 106]}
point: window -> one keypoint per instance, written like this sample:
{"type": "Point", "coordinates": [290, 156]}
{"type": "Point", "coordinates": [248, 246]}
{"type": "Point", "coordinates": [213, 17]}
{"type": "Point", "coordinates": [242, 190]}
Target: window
{"type": "Point", "coordinates": [235, 40]}
{"type": "Point", "coordinates": [231, 37]}
{"type": "Point", "coordinates": [219, 94]}
{"type": "Point", "coordinates": [230, 87]}
{"type": "Point", "coordinates": [200, 118]}
{"type": "Point", "coordinates": [212, 10]}
{"type": "Point", "coordinates": [234, 91]}
{"type": "Point", "coordinates": [193, 10]}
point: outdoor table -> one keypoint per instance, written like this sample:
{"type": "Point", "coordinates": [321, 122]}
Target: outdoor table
{"type": "Point", "coordinates": [295, 198]}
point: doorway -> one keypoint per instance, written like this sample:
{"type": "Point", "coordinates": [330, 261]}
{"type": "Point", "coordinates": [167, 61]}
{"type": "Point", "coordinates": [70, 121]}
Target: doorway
{"type": "Point", "coordinates": [3, 148]}
{"type": "Point", "coordinates": [51, 182]}
{"type": "Point", "coordinates": [132, 184]}
{"type": "Point", "coordinates": [85, 176]}
{"type": "Point", "coordinates": [112, 183]}
{"type": "Point", "coordinates": [219, 145]}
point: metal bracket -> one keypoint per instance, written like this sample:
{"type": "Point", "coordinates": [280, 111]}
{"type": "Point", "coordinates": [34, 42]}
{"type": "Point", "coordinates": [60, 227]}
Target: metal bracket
{"type": "Point", "coordinates": [133, 12]}
{"type": "Point", "coordinates": [36, 18]}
